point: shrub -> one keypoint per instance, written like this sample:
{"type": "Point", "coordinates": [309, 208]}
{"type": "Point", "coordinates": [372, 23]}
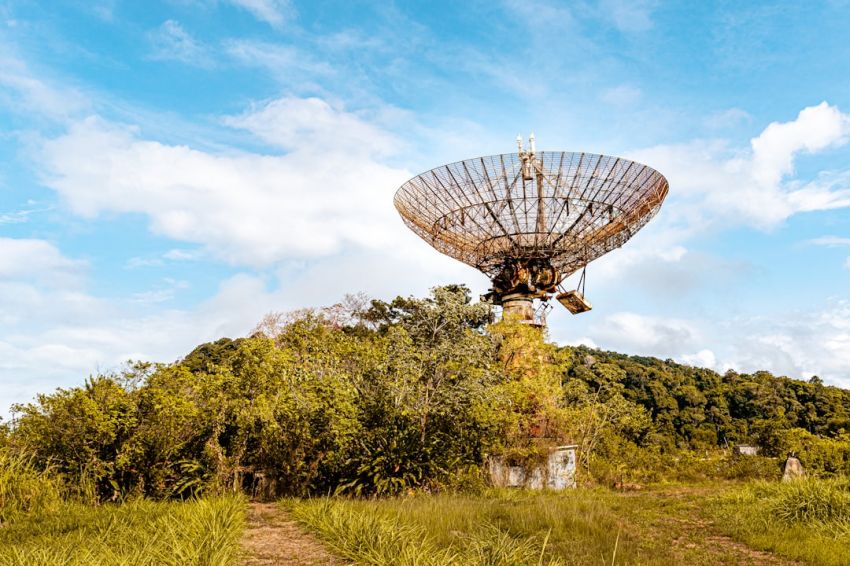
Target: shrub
{"type": "Point", "coordinates": [824, 456]}
{"type": "Point", "coordinates": [469, 479]}
{"type": "Point", "coordinates": [752, 468]}
{"type": "Point", "coordinates": [809, 500]}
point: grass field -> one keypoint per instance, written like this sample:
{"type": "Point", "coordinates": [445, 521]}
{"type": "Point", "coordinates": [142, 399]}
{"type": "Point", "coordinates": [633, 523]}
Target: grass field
{"type": "Point", "coordinates": [805, 520]}
{"type": "Point", "coordinates": [203, 532]}
{"type": "Point", "coordinates": [505, 527]}
{"type": "Point", "coordinates": [705, 524]}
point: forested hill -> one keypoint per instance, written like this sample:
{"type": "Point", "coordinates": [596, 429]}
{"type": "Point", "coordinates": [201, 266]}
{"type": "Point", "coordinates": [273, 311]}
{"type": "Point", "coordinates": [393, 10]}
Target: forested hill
{"type": "Point", "coordinates": [374, 397]}
{"type": "Point", "coordinates": [690, 407]}
{"type": "Point", "coordinates": [701, 408]}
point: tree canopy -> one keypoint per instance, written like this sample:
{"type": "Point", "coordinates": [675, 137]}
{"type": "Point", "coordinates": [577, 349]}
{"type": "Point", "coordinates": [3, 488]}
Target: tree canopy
{"type": "Point", "coordinates": [378, 397]}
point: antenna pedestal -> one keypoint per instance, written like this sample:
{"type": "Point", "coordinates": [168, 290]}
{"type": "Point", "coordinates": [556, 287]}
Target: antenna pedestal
{"type": "Point", "coordinates": [520, 307]}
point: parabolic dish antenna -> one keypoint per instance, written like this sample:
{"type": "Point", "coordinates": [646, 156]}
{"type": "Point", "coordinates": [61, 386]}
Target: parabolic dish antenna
{"type": "Point", "coordinates": [530, 219]}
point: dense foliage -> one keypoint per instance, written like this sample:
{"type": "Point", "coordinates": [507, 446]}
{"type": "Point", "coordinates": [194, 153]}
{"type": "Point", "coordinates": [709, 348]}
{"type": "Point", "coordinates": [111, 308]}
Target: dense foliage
{"type": "Point", "coordinates": [378, 397]}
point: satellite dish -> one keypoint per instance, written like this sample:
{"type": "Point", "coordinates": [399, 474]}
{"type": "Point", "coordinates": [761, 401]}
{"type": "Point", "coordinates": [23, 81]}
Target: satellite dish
{"type": "Point", "coordinates": [528, 220]}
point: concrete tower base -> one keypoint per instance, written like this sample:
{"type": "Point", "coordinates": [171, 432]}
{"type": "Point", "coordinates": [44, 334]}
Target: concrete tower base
{"type": "Point", "coordinates": [520, 307]}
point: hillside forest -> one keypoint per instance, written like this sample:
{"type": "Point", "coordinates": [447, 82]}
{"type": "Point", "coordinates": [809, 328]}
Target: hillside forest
{"type": "Point", "coordinates": [379, 398]}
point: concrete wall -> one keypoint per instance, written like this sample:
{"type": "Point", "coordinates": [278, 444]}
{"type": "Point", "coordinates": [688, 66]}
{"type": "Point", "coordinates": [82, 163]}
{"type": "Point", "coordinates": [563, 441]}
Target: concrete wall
{"type": "Point", "coordinates": [746, 450]}
{"type": "Point", "coordinates": [557, 472]}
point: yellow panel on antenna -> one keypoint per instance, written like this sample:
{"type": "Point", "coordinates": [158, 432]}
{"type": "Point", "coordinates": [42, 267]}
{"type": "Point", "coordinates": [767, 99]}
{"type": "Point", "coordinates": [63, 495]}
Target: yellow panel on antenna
{"type": "Point", "coordinates": [574, 302]}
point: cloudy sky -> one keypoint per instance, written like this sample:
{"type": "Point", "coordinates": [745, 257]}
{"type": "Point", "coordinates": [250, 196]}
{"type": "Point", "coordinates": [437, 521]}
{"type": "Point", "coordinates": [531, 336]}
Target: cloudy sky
{"type": "Point", "coordinates": [169, 172]}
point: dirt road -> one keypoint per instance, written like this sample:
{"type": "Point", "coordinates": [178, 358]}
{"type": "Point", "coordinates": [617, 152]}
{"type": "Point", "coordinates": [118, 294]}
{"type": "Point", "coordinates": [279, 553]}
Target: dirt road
{"type": "Point", "coordinates": [271, 537]}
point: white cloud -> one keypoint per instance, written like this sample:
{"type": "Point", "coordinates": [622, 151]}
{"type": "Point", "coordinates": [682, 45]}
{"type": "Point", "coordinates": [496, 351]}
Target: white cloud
{"type": "Point", "coordinates": [103, 9]}
{"type": "Point", "coordinates": [816, 128]}
{"type": "Point", "coordinates": [798, 344]}
{"type": "Point", "coordinates": [39, 289]}
{"type": "Point", "coordinates": [541, 13]}
{"type": "Point", "coordinates": [284, 62]}
{"type": "Point", "coordinates": [54, 337]}
{"type": "Point", "coordinates": [703, 358]}
{"type": "Point", "coordinates": [665, 273]}
{"type": "Point", "coordinates": [321, 211]}
{"type": "Point", "coordinates": [137, 262]}
{"type": "Point", "coordinates": [622, 95]}
{"type": "Point", "coordinates": [712, 185]}
{"type": "Point", "coordinates": [173, 255]}
{"type": "Point", "coordinates": [29, 258]}
{"type": "Point", "coordinates": [273, 12]}
{"type": "Point", "coordinates": [171, 42]}
{"type": "Point", "coordinates": [583, 341]}
{"type": "Point", "coordinates": [729, 118]}
{"type": "Point", "coordinates": [183, 255]}
{"type": "Point", "coordinates": [629, 16]}
{"type": "Point", "coordinates": [830, 241]}
{"type": "Point", "coordinates": [23, 90]}
{"type": "Point", "coordinates": [163, 292]}
{"type": "Point", "coordinates": [329, 190]}
{"type": "Point", "coordinates": [19, 216]}
{"type": "Point", "coordinates": [650, 335]}
{"type": "Point", "coordinates": [312, 125]}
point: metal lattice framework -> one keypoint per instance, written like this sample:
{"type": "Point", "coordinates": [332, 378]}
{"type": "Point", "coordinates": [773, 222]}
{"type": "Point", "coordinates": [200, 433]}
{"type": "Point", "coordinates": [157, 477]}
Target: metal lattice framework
{"type": "Point", "coordinates": [560, 207]}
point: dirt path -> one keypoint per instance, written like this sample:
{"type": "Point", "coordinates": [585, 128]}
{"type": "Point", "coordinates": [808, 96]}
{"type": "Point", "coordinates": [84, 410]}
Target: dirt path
{"type": "Point", "coordinates": [693, 538]}
{"type": "Point", "coordinates": [718, 548]}
{"type": "Point", "coordinates": [271, 537]}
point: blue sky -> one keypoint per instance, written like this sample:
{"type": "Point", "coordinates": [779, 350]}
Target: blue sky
{"type": "Point", "coordinates": [172, 171]}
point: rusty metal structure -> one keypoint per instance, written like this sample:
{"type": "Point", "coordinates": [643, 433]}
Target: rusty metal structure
{"type": "Point", "coordinates": [530, 219]}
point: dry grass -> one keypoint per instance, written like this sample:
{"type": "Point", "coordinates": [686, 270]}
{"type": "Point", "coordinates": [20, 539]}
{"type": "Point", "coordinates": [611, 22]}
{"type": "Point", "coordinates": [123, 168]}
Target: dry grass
{"type": "Point", "coordinates": [203, 532]}
{"type": "Point", "coordinates": [517, 527]}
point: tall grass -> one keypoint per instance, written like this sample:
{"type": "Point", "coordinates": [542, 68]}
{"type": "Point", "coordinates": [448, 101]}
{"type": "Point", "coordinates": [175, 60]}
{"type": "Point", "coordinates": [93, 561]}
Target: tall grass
{"type": "Point", "coordinates": [201, 532]}
{"type": "Point", "coordinates": [810, 501]}
{"type": "Point", "coordinates": [807, 519]}
{"type": "Point", "coordinates": [381, 539]}
{"type": "Point", "coordinates": [501, 528]}
{"type": "Point", "coordinates": [24, 488]}
{"type": "Point", "coordinates": [368, 538]}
